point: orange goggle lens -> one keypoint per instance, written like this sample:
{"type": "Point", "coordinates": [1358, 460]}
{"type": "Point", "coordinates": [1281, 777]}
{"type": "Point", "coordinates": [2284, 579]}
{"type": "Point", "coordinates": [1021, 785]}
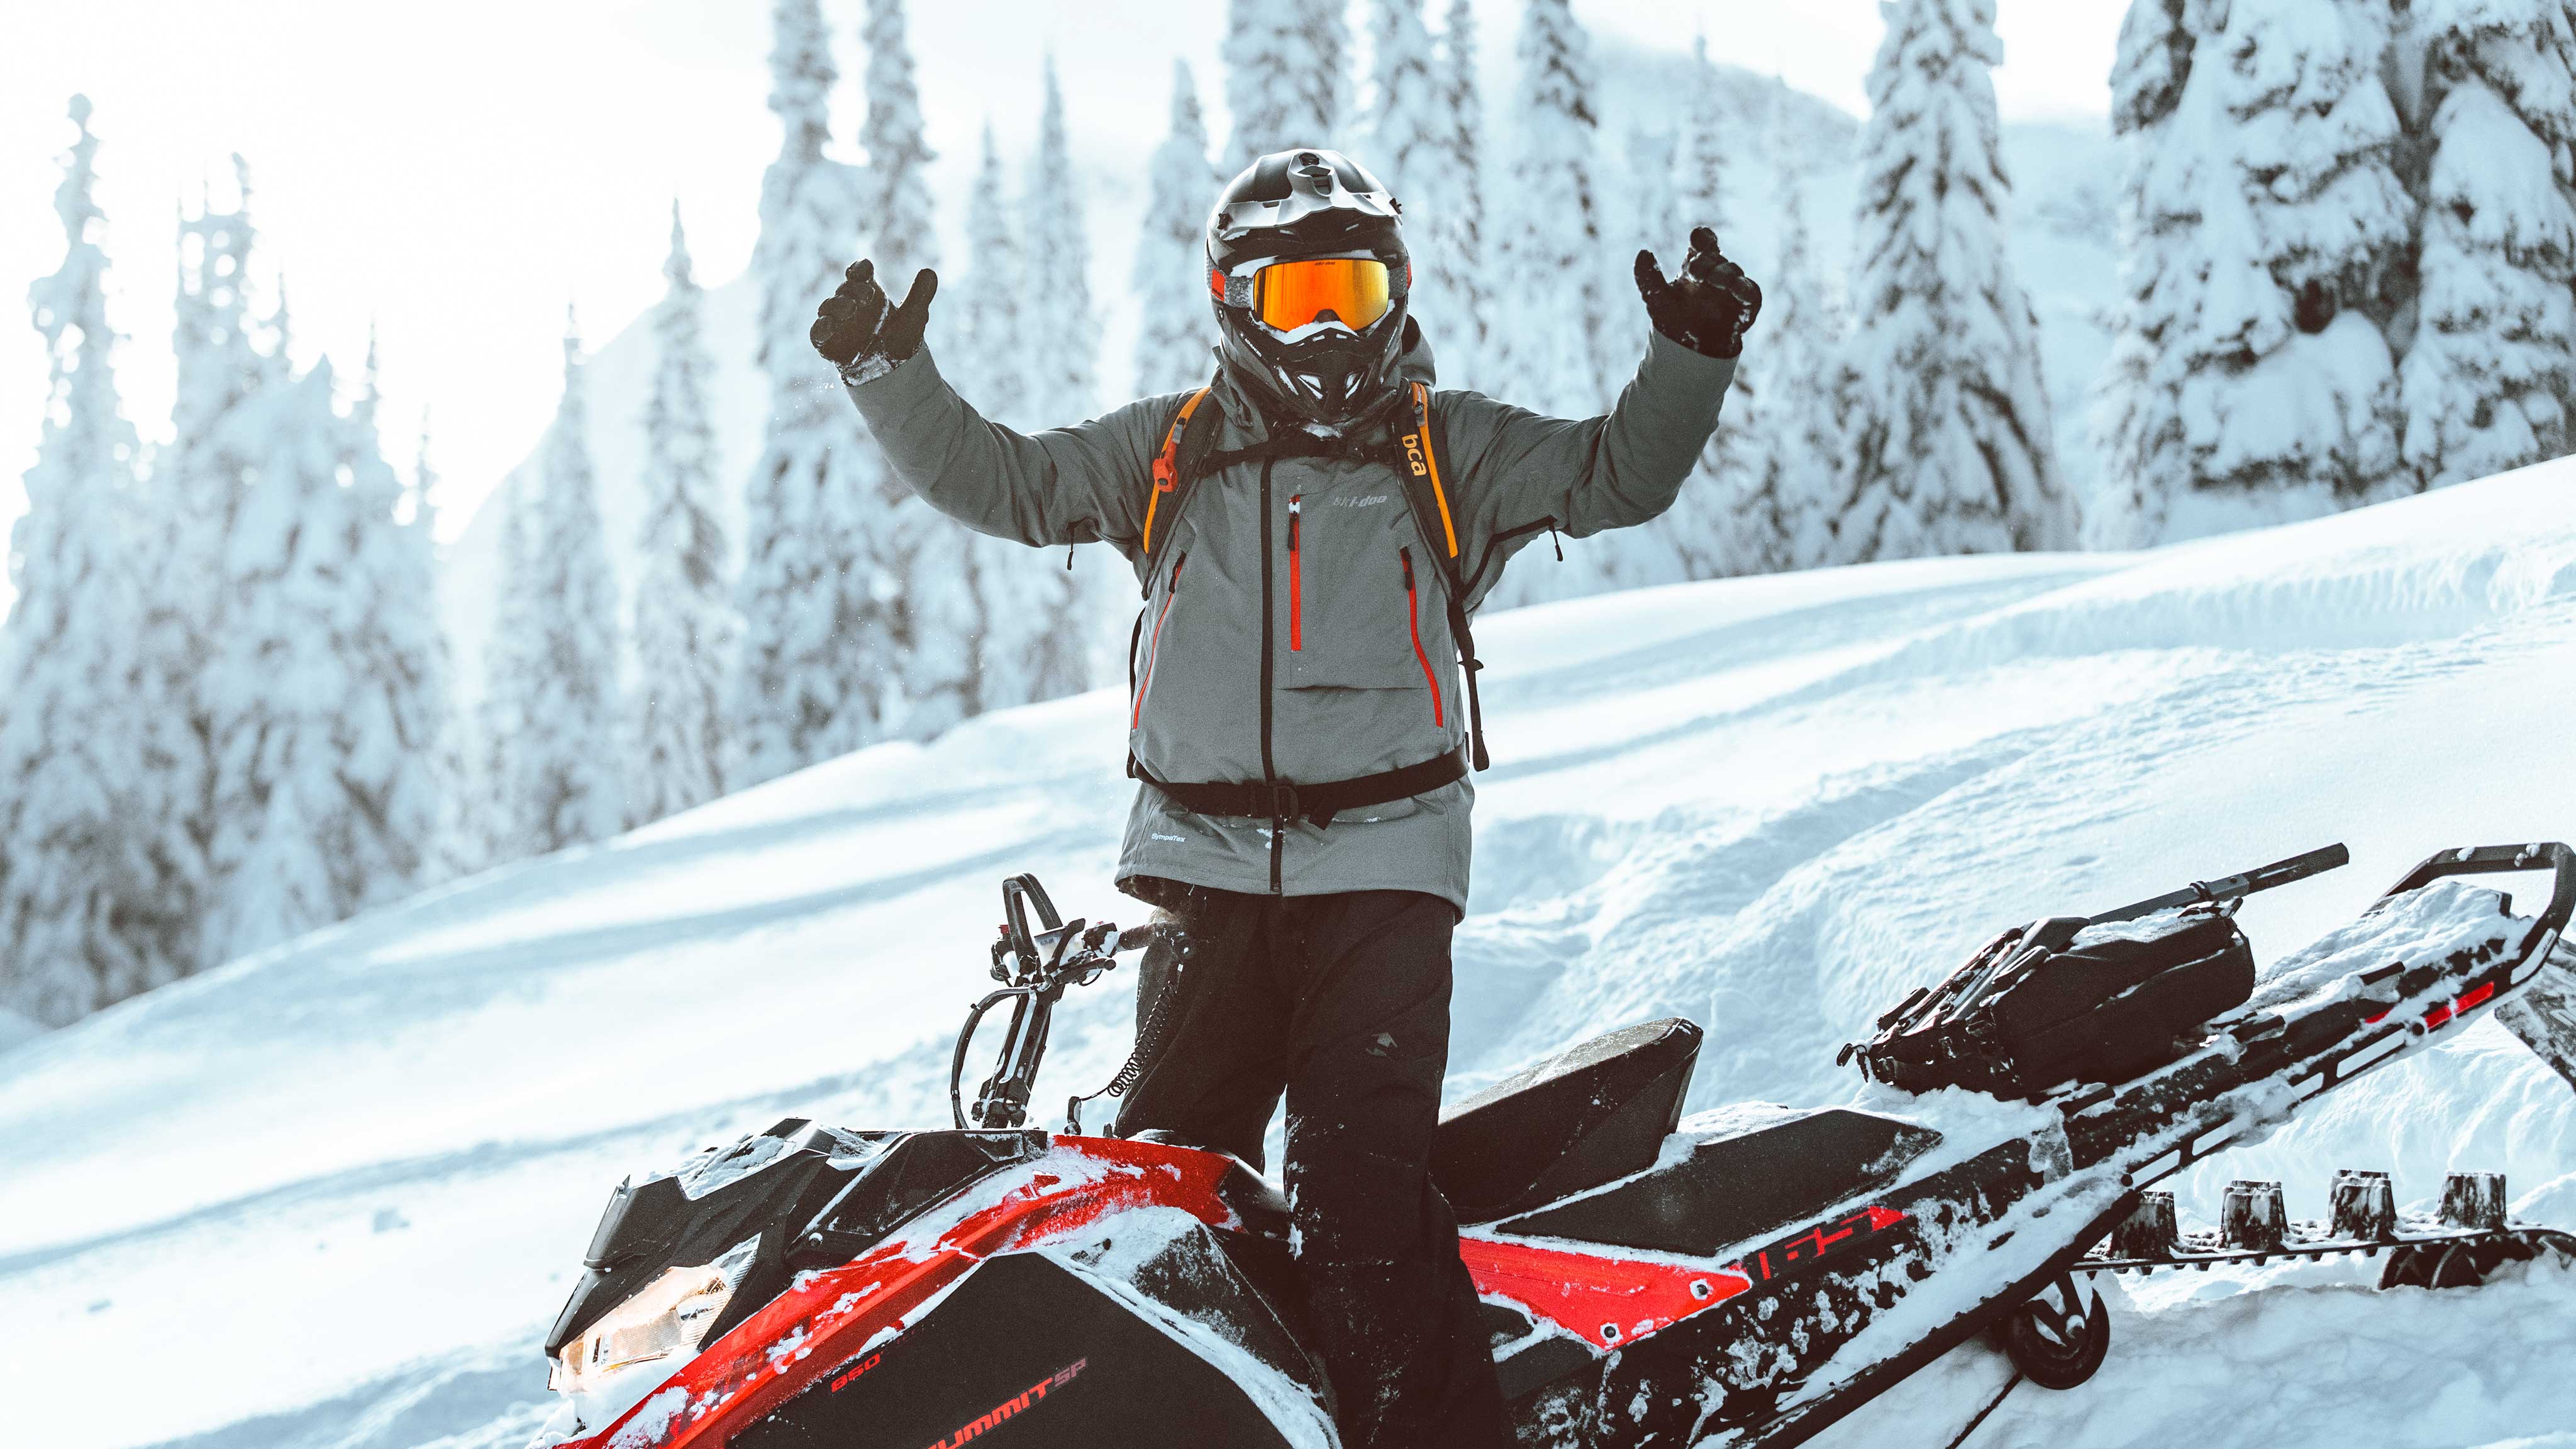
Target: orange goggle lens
{"type": "Point", "coordinates": [1289, 295]}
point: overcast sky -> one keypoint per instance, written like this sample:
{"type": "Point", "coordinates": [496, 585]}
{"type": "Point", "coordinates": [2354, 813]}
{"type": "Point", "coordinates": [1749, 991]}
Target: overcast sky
{"type": "Point", "coordinates": [455, 173]}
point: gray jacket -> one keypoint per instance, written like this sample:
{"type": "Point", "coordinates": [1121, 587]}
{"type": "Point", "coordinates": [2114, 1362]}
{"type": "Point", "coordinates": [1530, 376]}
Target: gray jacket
{"type": "Point", "coordinates": [1364, 675]}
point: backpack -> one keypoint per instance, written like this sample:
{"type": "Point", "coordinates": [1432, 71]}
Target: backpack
{"type": "Point", "coordinates": [2067, 999]}
{"type": "Point", "coordinates": [1189, 454]}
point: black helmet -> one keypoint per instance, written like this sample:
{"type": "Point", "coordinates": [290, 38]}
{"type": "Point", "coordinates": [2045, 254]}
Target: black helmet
{"type": "Point", "coordinates": [1327, 353]}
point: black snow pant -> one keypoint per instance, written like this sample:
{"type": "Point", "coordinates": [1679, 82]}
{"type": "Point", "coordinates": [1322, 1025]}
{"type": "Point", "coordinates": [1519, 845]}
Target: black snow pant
{"type": "Point", "coordinates": [1342, 1003]}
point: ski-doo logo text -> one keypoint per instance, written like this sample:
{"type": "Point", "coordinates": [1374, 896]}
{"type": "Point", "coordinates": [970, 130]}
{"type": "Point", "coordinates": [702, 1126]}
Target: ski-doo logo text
{"type": "Point", "coordinates": [854, 1370]}
{"type": "Point", "coordinates": [1017, 1404]}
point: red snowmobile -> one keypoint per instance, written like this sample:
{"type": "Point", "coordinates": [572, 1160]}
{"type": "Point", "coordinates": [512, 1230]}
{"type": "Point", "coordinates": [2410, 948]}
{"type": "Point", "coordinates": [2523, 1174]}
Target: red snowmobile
{"type": "Point", "coordinates": [1744, 1278]}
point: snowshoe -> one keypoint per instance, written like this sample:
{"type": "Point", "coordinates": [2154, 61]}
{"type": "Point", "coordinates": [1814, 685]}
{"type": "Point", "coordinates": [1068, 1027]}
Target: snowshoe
{"type": "Point", "coordinates": [1745, 1277]}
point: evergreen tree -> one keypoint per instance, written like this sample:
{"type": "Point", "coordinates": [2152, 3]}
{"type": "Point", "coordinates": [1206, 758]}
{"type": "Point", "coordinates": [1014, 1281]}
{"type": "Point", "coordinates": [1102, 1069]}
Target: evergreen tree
{"type": "Point", "coordinates": [1779, 511]}
{"type": "Point", "coordinates": [79, 924]}
{"type": "Point", "coordinates": [919, 618]}
{"type": "Point", "coordinates": [684, 621]}
{"type": "Point", "coordinates": [503, 825]}
{"type": "Point", "coordinates": [1952, 448]}
{"type": "Point", "coordinates": [329, 795]}
{"type": "Point", "coordinates": [568, 777]}
{"type": "Point", "coordinates": [804, 679]}
{"type": "Point", "coordinates": [2262, 258]}
{"type": "Point", "coordinates": [1174, 346]}
{"type": "Point", "coordinates": [1062, 344]}
{"type": "Point", "coordinates": [1553, 356]}
{"type": "Point", "coordinates": [184, 517]}
{"type": "Point", "coordinates": [1021, 597]}
{"type": "Point", "coordinates": [1450, 295]}
{"type": "Point", "coordinates": [2488, 379]}
{"type": "Point", "coordinates": [1406, 117]}
{"type": "Point", "coordinates": [1283, 75]}
{"type": "Point", "coordinates": [1704, 145]}
{"type": "Point", "coordinates": [395, 814]}
{"type": "Point", "coordinates": [457, 850]}
{"type": "Point", "coordinates": [1654, 223]}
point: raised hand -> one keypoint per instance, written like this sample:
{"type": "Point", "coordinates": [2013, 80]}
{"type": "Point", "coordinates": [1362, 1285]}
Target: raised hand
{"type": "Point", "coordinates": [858, 332]}
{"type": "Point", "coordinates": [1709, 307]}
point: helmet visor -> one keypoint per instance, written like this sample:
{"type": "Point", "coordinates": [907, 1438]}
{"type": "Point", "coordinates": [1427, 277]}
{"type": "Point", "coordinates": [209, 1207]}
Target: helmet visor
{"type": "Point", "coordinates": [1353, 291]}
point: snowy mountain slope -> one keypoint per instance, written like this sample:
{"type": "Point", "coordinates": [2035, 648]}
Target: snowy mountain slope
{"type": "Point", "coordinates": [2061, 243]}
{"type": "Point", "coordinates": [336, 1191]}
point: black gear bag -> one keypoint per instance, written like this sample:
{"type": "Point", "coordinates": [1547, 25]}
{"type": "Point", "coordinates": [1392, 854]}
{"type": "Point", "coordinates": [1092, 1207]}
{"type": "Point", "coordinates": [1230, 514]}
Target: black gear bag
{"type": "Point", "coordinates": [2075, 998]}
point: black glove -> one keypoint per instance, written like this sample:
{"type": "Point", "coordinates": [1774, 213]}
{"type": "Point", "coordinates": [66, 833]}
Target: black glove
{"type": "Point", "coordinates": [1709, 307]}
{"type": "Point", "coordinates": [858, 333]}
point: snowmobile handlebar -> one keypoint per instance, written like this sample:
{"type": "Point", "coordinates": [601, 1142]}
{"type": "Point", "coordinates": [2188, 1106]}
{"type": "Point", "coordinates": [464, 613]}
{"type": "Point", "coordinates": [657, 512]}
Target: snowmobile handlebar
{"type": "Point", "coordinates": [1035, 968]}
{"type": "Point", "coordinates": [2236, 887]}
{"type": "Point", "coordinates": [2547, 855]}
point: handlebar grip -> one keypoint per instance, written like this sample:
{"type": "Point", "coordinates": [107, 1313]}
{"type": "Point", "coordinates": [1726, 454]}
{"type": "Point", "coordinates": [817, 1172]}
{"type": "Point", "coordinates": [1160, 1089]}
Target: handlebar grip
{"type": "Point", "coordinates": [2498, 859]}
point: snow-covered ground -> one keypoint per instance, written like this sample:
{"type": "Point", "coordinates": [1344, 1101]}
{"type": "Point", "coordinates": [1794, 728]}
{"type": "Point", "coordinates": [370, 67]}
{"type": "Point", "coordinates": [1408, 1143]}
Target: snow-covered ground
{"type": "Point", "coordinates": [331, 1196]}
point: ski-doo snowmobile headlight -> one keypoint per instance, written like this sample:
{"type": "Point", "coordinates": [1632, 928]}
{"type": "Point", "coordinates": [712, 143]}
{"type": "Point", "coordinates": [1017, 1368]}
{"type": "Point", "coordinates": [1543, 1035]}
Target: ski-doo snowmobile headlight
{"type": "Point", "coordinates": [668, 1317]}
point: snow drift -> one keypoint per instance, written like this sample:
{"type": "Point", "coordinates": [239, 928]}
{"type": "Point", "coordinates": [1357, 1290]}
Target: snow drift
{"type": "Point", "coordinates": [330, 1195]}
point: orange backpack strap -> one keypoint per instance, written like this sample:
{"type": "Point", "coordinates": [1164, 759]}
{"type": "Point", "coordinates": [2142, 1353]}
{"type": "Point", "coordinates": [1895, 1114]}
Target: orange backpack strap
{"type": "Point", "coordinates": [1428, 496]}
{"type": "Point", "coordinates": [1422, 457]}
{"type": "Point", "coordinates": [1169, 474]}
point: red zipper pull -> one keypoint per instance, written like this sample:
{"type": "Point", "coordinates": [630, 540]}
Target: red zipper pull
{"type": "Point", "coordinates": [1293, 500]}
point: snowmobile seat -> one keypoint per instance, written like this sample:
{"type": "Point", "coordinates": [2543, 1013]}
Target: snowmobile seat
{"type": "Point", "coordinates": [1581, 1118]}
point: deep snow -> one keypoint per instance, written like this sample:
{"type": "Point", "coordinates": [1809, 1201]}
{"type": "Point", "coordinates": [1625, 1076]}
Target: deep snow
{"type": "Point", "coordinates": [330, 1196]}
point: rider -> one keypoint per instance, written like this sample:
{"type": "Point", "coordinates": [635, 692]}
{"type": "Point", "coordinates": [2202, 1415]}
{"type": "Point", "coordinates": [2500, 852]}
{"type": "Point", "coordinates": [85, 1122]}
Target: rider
{"type": "Point", "coordinates": [1303, 816]}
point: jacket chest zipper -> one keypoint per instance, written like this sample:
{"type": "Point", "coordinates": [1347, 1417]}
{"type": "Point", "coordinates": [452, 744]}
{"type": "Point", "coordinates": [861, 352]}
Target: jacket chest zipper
{"type": "Point", "coordinates": [1145, 686]}
{"type": "Point", "coordinates": [1413, 621]}
{"type": "Point", "coordinates": [1269, 678]}
{"type": "Point", "coordinates": [1296, 585]}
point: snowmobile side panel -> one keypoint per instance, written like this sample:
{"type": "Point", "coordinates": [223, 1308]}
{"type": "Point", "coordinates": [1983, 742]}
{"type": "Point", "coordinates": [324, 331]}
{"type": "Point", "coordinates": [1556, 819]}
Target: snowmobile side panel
{"type": "Point", "coordinates": [1734, 1188]}
{"type": "Point", "coordinates": [822, 1318]}
{"type": "Point", "coordinates": [1028, 1344]}
{"type": "Point", "coordinates": [1197, 1276]}
{"type": "Point", "coordinates": [1575, 1121]}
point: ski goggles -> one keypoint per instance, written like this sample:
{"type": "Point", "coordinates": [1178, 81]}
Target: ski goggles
{"type": "Point", "coordinates": [1288, 296]}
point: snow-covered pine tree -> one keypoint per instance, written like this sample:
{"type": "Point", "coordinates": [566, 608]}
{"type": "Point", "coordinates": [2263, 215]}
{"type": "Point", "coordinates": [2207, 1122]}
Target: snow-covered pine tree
{"type": "Point", "coordinates": [1952, 446]}
{"type": "Point", "coordinates": [920, 617]}
{"type": "Point", "coordinates": [458, 850]}
{"type": "Point", "coordinates": [1780, 509]}
{"type": "Point", "coordinates": [1652, 222]}
{"type": "Point", "coordinates": [1174, 343]}
{"type": "Point", "coordinates": [77, 875]}
{"type": "Point", "coordinates": [1283, 75]}
{"type": "Point", "coordinates": [1062, 346]}
{"type": "Point", "coordinates": [1552, 354]}
{"type": "Point", "coordinates": [802, 684]}
{"type": "Point", "coordinates": [1405, 115]}
{"type": "Point", "coordinates": [185, 514]}
{"type": "Point", "coordinates": [570, 778]}
{"type": "Point", "coordinates": [2488, 379]}
{"type": "Point", "coordinates": [500, 823]}
{"type": "Point", "coordinates": [1024, 652]}
{"type": "Point", "coordinates": [1450, 293]}
{"type": "Point", "coordinates": [285, 676]}
{"type": "Point", "coordinates": [1704, 146]}
{"type": "Point", "coordinates": [396, 816]}
{"type": "Point", "coordinates": [684, 620]}
{"type": "Point", "coordinates": [2263, 252]}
